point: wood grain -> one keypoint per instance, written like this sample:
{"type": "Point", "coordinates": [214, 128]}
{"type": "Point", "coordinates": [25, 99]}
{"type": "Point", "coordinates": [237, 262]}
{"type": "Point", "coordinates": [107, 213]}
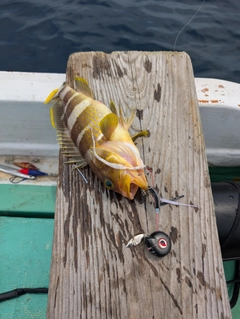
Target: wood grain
{"type": "Point", "coordinates": [93, 274]}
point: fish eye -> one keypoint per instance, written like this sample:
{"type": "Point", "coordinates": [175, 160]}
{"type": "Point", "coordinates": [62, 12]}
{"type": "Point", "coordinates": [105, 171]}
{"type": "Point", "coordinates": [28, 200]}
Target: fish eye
{"type": "Point", "coordinates": [108, 184]}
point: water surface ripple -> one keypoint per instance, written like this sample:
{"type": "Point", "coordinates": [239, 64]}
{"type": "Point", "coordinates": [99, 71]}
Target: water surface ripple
{"type": "Point", "coordinates": [39, 36]}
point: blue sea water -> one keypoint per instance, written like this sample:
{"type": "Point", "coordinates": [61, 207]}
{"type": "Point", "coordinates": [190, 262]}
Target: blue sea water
{"type": "Point", "coordinates": [39, 35]}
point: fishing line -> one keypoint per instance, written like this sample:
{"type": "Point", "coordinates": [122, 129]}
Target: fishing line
{"type": "Point", "coordinates": [175, 42]}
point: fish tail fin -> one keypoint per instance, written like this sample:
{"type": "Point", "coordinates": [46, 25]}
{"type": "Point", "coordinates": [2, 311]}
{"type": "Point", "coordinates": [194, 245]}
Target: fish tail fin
{"type": "Point", "coordinates": [56, 112]}
{"type": "Point", "coordinates": [51, 96]}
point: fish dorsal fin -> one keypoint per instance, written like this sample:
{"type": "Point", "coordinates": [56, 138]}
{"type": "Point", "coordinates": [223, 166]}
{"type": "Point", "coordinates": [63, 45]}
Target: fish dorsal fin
{"type": "Point", "coordinates": [125, 122]}
{"type": "Point", "coordinates": [82, 86]}
{"type": "Point", "coordinates": [68, 148]}
{"type": "Point", "coordinates": [108, 125]}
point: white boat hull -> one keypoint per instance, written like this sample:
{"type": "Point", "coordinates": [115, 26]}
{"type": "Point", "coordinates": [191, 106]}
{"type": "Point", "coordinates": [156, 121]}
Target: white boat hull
{"type": "Point", "coordinates": [26, 130]}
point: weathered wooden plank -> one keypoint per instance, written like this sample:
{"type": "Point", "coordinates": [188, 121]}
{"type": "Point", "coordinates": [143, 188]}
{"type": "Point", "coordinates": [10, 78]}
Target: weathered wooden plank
{"type": "Point", "coordinates": [93, 274]}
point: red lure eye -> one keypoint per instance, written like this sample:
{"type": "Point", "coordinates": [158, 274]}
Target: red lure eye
{"type": "Point", "coordinates": [162, 243]}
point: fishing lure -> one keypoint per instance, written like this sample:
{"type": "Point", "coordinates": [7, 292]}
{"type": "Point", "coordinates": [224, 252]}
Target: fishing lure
{"type": "Point", "coordinates": [158, 242]}
{"type": "Point", "coordinates": [20, 175]}
{"type": "Point", "coordinates": [92, 134]}
{"type": "Point", "coordinates": [32, 172]}
{"type": "Point", "coordinates": [15, 172]}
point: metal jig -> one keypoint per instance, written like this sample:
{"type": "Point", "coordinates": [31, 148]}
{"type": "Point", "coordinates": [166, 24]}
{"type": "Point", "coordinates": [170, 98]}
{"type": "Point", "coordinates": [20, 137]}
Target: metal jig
{"type": "Point", "coordinates": [13, 171]}
{"type": "Point", "coordinates": [158, 242]}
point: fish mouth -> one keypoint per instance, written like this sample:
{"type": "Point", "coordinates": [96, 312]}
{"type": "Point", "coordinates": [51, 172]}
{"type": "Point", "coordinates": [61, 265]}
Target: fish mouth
{"type": "Point", "coordinates": [134, 181]}
{"type": "Point", "coordinates": [132, 190]}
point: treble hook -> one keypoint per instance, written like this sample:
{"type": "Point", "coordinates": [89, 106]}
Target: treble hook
{"type": "Point", "coordinates": [164, 201]}
{"type": "Point", "coordinates": [16, 179]}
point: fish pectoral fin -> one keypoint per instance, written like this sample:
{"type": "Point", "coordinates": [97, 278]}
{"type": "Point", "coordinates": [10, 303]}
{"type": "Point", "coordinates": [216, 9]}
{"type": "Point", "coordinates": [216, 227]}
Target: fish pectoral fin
{"type": "Point", "coordinates": [144, 133]}
{"type": "Point", "coordinates": [82, 86]}
{"type": "Point", "coordinates": [108, 125]}
{"type": "Point", "coordinates": [111, 158]}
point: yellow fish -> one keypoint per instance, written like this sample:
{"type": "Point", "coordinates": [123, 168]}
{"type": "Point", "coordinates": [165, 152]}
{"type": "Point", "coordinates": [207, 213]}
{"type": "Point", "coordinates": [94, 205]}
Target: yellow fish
{"type": "Point", "coordinates": [100, 135]}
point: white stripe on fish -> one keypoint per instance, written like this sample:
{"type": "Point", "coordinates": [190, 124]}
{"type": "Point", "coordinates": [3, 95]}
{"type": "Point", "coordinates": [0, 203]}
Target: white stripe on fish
{"type": "Point", "coordinates": [68, 102]}
{"type": "Point", "coordinates": [80, 136]}
{"type": "Point", "coordinates": [78, 109]}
